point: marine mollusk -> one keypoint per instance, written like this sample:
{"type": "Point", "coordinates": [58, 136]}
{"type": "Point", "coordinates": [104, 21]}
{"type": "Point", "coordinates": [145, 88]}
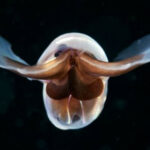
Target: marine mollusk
{"type": "Point", "coordinates": [74, 70]}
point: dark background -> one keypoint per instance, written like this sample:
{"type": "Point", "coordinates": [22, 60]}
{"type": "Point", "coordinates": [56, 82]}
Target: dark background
{"type": "Point", "coordinates": [30, 26]}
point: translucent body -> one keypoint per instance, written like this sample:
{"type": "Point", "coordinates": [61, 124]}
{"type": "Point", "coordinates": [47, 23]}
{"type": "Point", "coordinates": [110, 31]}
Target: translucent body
{"type": "Point", "coordinates": [70, 113]}
{"type": "Point", "coordinates": [74, 71]}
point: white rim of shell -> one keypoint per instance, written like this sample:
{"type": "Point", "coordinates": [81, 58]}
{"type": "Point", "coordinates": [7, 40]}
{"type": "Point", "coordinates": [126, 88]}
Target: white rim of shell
{"type": "Point", "coordinates": [77, 41]}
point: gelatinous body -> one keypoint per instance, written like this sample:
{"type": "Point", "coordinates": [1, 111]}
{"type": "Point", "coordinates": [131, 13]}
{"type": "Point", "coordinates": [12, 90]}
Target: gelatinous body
{"type": "Point", "coordinates": [74, 70]}
{"type": "Point", "coordinates": [71, 112]}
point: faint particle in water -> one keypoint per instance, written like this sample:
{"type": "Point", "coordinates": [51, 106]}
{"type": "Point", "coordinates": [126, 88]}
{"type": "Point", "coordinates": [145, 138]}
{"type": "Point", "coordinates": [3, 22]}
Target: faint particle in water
{"type": "Point", "coordinates": [133, 18]}
{"type": "Point", "coordinates": [148, 147]}
{"type": "Point", "coordinates": [19, 122]}
{"type": "Point", "coordinates": [120, 104]}
{"type": "Point", "coordinates": [132, 77]}
{"type": "Point", "coordinates": [133, 124]}
{"type": "Point", "coordinates": [6, 93]}
{"type": "Point", "coordinates": [105, 147]}
{"type": "Point", "coordinates": [117, 139]}
{"type": "Point", "coordinates": [41, 144]}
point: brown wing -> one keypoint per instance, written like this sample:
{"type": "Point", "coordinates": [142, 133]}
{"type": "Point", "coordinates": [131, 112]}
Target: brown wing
{"type": "Point", "coordinates": [52, 69]}
{"type": "Point", "coordinates": [136, 55]}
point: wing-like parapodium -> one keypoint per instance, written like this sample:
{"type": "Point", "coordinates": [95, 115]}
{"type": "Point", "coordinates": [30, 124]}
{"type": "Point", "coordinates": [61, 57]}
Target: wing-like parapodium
{"type": "Point", "coordinates": [134, 56]}
{"type": "Point", "coordinates": [141, 46]}
{"type": "Point", "coordinates": [6, 51]}
{"type": "Point", "coordinates": [52, 69]}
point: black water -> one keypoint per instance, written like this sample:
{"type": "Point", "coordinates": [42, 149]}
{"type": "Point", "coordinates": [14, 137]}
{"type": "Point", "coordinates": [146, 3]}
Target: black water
{"type": "Point", "coordinates": [30, 26]}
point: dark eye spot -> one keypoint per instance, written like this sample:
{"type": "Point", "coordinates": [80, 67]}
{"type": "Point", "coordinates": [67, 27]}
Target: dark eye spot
{"type": "Point", "coordinates": [58, 53]}
{"type": "Point", "coordinates": [61, 49]}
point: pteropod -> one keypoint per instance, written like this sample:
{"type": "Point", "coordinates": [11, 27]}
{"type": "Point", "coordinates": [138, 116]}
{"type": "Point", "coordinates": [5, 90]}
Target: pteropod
{"type": "Point", "coordinates": [74, 70]}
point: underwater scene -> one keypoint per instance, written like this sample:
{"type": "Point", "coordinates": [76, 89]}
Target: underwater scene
{"type": "Point", "coordinates": [74, 75]}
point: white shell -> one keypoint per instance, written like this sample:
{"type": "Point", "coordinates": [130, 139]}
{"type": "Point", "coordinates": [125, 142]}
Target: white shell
{"type": "Point", "coordinates": [89, 114]}
{"type": "Point", "coordinates": [78, 41]}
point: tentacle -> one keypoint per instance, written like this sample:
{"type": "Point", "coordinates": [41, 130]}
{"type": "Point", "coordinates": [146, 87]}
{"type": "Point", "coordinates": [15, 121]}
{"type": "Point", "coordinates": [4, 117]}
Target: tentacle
{"type": "Point", "coordinates": [52, 69]}
{"type": "Point", "coordinates": [138, 54]}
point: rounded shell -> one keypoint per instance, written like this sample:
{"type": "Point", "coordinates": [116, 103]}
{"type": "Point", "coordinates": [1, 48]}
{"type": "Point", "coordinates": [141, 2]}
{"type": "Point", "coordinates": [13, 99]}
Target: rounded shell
{"type": "Point", "coordinates": [78, 41]}
{"type": "Point", "coordinates": [71, 113]}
